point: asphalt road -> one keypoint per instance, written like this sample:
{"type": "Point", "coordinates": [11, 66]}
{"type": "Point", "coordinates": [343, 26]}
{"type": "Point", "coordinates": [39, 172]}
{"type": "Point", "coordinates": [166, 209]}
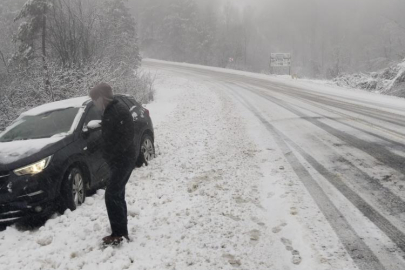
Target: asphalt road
{"type": "Point", "coordinates": [348, 149]}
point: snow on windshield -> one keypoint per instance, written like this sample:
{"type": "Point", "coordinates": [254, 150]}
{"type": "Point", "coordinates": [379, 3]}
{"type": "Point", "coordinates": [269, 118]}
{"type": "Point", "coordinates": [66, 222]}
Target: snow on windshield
{"type": "Point", "coordinates": [63, 104]}
{"type": "Point", "coordinates": [12, 151]}
{"type": "Point", "coordinates": [44, 125]}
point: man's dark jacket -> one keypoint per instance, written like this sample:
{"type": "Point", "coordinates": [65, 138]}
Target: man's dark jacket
{"type": "Point", "coordinates": [118, 131]}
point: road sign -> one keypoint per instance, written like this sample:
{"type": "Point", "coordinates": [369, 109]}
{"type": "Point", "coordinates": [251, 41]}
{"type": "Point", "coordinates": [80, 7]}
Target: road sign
{"type": "Point", "coordinates": [280, 60]}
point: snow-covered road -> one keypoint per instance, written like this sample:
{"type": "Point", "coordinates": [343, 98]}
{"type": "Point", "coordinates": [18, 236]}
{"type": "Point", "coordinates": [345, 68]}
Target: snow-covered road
{"type": "Point", "coordinates": [344, 148]}
{"type": "Point", "coordinates": [252, 172]}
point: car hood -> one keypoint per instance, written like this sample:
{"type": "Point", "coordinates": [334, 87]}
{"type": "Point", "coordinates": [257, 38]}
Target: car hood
{"type": "Point", "coordinates": [21, 153]}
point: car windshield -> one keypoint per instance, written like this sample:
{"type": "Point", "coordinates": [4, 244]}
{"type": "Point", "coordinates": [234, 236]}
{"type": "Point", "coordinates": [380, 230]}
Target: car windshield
{"type": "Point", "coordinates": [40, 126]}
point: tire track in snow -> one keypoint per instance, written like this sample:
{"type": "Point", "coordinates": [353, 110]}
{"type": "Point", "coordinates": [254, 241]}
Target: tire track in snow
{"type": "Point", "coordinates": [354, 108]}
{"type": "Point", "coordinates": [362, 121]}
{"type": "Point", "coordinates": [293, 92]}
{"type": "Point", "coordinates": [297, 93]}
{"type": "Point", "coordinates": [397, 236]}
{"type": "Point", "coordinates": [366, 123]}
{"type": "Point", "coordinates": [392, 160]}
{"type": "Point", "coordinates": [350, 117]}
{"type": "Point", "coordinates": [355, 246]}
{"type": "Point", "coordinates": [322, 103]}
{"type": "Point", "coordinates": [392, 204]}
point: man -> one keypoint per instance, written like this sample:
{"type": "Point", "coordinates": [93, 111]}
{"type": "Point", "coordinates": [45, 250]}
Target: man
{"type": "Point", "coordinates": [119, 151]}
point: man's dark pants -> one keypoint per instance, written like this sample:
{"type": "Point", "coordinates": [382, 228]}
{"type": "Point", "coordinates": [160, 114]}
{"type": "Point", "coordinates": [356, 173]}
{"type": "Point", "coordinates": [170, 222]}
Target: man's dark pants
{"type": "Point", "coordinates": [115, 196]}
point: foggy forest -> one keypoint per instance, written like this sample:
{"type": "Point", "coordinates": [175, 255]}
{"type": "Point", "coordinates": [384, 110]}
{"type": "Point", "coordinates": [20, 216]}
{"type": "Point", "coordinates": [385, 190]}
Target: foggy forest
{"type": "Point", "coordinates": [46, 44]}
{"type": "Point", "coordinates": [326, 38]}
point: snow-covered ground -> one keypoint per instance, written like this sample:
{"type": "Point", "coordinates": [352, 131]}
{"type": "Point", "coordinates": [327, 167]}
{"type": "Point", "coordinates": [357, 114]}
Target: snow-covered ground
{"type": "Point", "coordinates": [219, 195]}
{"type": "Point", "coordinates": [252, 172]}
{"type": "Point", "coordinates": [341, 149]}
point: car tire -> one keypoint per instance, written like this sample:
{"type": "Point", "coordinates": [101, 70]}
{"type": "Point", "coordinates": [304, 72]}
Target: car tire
{"type": "Point", "coordinates": [73, 191]}
{"type": "Point", "coordinates": [34, 222]}
{"type": "Point", "coordinates": [146, 151]}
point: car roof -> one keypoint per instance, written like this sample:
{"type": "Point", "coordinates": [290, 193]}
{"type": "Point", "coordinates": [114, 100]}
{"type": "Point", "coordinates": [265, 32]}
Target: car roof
{"type": "Point", "coordinates": [124, 95]}
{"type": "Point", "coordinates": [62, 104]}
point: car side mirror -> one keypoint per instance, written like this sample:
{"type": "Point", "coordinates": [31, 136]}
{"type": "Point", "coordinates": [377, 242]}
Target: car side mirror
{"type": "Point", "coordinates": [94, 124]}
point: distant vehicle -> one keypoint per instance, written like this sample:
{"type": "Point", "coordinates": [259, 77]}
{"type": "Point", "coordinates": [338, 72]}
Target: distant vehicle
{"type": "Point", "coordinates": [50, 157]}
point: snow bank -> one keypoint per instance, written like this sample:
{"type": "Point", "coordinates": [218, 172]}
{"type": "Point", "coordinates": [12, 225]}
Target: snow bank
{"type": "Point", "coordinates": [390, 81]}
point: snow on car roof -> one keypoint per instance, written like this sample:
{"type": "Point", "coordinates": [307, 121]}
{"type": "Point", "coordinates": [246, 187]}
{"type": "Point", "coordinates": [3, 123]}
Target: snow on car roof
{"type": "Point", "coordinates": [63, 104]}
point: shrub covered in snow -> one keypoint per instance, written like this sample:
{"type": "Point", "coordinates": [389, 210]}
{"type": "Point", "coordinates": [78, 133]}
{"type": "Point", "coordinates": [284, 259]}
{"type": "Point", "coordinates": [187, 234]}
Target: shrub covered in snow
{"type": "Point", "coordinates": [64, 48]}
{"type": "Point", "coordinates": [397, 87]}
{"type": "Point", "coordinates": [390, 81]}
{"type": "Point", "coordinates": [24, 89]}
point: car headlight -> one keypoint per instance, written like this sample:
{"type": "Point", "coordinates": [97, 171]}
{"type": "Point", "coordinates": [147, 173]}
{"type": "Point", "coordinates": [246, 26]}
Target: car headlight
{"type": "Point", "coordinates": [34, 168]}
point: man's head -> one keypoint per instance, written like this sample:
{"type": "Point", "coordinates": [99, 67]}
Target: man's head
{"type": "Point", "coordinates": [101, 95]}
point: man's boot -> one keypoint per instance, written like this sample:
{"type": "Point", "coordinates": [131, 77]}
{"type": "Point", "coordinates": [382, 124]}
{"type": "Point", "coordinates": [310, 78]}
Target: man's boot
{"type": "Point", "coordinates": [114, 240]}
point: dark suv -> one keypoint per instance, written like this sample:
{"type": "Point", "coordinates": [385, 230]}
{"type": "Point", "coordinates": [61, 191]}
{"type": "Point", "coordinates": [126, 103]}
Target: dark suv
{"type": "Point", "coordinates": [50, 157]}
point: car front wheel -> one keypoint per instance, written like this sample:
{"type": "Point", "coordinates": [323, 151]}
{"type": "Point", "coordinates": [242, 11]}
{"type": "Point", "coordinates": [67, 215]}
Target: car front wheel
{"type": "Point", "coordinates": [147, 151]}
{"type": "Point", "coordinates": [73, 192]}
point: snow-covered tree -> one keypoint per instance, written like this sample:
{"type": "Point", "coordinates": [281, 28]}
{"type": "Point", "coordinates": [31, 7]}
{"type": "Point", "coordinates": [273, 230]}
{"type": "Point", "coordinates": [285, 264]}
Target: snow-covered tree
{"type": "Point", "coordinates": [32, 31]}
{"type": "Point", "coordinates": [119, 34]}
{"type": "Point", "coordinates": [65, 47]}
{"type": "Point", "coordinates": [8, 11]}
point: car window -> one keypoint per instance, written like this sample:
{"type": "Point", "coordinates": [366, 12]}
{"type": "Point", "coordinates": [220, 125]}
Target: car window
{"type": "Point", "coordinates": [92, 114]}
{"type": "Point", "coordinates": [128, 102]}
{"type": "Point", "coordinates": [132, 100]}
{"type": "Point", "coordinates": [46, 125]}
{"type": "Point", "coordinates": [125, 101]}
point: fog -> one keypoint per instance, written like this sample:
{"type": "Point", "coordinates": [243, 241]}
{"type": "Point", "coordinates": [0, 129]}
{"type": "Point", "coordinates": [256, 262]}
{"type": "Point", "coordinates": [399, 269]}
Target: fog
{"type": "Point", "coordinates": [252, 171]}
{"type": "Point", "coordinates": [326, 38]}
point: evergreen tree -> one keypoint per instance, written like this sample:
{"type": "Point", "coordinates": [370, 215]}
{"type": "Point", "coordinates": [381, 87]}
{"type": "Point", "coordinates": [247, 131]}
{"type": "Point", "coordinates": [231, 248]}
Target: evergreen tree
{"type": "Point", "coordinates": [179, 28]}
{"type": "Point", "coordinates": [120, 34]}
{"type": "Point", "coordinates": [31, 32]}
{"type": "Point", "coordinates": [8, 9]}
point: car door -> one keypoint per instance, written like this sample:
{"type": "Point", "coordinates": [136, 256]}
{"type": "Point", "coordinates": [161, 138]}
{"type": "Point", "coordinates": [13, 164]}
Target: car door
{"type": "Point", "coordinates": [93, 151]}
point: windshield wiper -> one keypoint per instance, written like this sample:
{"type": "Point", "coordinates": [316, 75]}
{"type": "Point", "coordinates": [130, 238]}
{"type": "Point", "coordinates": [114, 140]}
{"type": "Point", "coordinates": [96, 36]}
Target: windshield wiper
{"type": "Point", "coordinates": [14, 140]}
{"type": "Point", "coordinates": [41, 137]}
